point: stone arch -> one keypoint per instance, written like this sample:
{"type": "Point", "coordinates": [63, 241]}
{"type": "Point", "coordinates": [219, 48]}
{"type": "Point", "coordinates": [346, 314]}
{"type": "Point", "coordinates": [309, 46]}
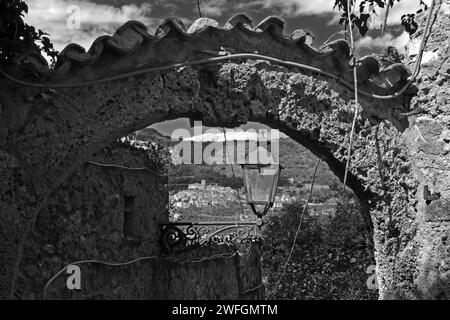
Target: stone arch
{"type": "Point", "coordinates": [48, 134]}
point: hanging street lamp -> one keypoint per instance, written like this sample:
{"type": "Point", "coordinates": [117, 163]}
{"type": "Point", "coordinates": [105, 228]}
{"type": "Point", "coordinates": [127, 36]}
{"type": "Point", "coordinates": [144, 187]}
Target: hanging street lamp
{"type": "Point", "coordinates": [261, 183]}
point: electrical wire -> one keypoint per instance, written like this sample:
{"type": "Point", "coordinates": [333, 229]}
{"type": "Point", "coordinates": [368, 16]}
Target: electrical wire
{"type": "Point", "coordinates": [386, 14]}
{"type": "Point", "coordinates": [144, 258]}
{"type": "Point", "coordinates": [173, 66]}
{"type": "Point", "coordinates": [232, 170]}
{"type": "Point", "coordinates": [108, 165]}
{"type": "Point", "coordinates": [327, 42]}
{"type": "Point", "coordinates": [355, 82]}
{"type": "Point", "coordinates": [416, 71]}
{"type": "Point", "coordinates": [235, 56]}
{"type": "Point", "coordinates": [111, 165]}
{"type": "Point", "coordinates": [297, 232]}
{"type": "Point", "coordinates": [198, 7]}
{"type": "Point", "coordinates": [427, 31]}
{"type": "Point", "coordinates": [258, 287]}
{"type": "Point", "coordinates": [423, 42]}
{"type": "Point", "coordinates": [244, 55]}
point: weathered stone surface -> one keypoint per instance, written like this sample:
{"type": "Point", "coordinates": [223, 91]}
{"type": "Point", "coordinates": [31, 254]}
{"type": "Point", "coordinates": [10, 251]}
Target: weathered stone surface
{"type": "Point", "coordinates": [439, 210]}
{"type": "Point", "coordinates": [113, 215]}
{"type": "Point", "coordinates": [393, 157]}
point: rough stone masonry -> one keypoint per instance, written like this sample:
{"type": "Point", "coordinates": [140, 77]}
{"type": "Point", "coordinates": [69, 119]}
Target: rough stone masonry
{"type": "Point", "coordinates": [400, 164]}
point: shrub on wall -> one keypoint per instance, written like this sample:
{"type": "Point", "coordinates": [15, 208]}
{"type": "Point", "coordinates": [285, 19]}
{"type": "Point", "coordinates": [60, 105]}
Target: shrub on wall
{"type": "Point", "coordinates": [329, 260]}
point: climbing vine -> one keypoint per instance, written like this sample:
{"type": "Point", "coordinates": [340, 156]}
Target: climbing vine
{"type": "Point", "coordinates": [361, 18]}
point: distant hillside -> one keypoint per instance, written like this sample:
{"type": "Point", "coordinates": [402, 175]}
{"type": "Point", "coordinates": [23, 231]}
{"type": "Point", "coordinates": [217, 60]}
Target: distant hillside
{"type": "Point", "coordinates": [298, 163]}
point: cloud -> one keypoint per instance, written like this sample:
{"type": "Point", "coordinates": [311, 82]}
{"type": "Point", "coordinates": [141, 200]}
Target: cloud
{"type": "Point", "coordinates": [401, 8]}
{"type": "Point", "coordinates": [370, 43]}
{"type": "Point", "coordinates": [291, 7]}
{"type": "Point", "coordinates": [213, 8]}
{"type": "Point", "coordinates": [395, 13]}
{"type": "Point", "coordinates": [95, 19]}
{"type": "Point", "coordinates": [295, 8]}
{"type": "Point", "coordinates": [216, 135]}
{"type": "Point", "coordinates": [302, 7]}
{"type": "Point", "coordinates": [216, 8]}
{"type": "Point", "coordinates": [98, 18]}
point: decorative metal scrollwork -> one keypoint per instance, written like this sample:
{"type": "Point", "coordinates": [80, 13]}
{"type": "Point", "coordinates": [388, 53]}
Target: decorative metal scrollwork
{"type": "Point", "coordinates": [180, 236]}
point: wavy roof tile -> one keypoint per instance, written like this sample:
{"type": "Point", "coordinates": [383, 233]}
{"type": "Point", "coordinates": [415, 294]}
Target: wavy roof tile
{"type": "Point", "coordinates": [132, 47]}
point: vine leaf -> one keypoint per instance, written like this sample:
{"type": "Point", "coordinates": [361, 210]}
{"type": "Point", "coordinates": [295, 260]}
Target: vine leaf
{"type": "Point", "coordinates": [362, 20]}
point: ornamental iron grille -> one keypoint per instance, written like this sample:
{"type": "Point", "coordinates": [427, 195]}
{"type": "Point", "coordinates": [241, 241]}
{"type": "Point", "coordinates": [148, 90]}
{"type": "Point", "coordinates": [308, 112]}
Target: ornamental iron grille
{"type": "Point", "coordinates": [261, 182]}
{"type": "Point", "coordinates": [180, 236]}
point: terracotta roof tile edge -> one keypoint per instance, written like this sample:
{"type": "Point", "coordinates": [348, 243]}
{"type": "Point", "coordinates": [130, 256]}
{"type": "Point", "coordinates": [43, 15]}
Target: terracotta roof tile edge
{"type": "Point", "coordinates": [133, 47]}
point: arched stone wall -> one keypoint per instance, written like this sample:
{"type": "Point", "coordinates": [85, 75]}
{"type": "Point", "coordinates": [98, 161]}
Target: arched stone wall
{"type": "Point", "coordinates": [46, 135]}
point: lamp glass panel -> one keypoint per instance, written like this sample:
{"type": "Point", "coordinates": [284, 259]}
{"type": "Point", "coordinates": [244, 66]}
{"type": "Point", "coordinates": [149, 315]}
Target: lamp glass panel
{"type": "Point", "coordinates": [261, 183]}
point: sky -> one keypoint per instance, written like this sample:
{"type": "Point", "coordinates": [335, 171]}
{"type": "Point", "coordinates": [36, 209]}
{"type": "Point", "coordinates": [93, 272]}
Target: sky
{"type": "Point", "coordinates": [252, 131]}
{"type": "Point", "coordinates": [100, 17]}
{"type": "Point", "coordinates": [82, 21]}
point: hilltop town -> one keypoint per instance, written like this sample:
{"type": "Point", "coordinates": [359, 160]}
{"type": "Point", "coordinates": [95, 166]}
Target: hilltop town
{"type": "Point", "coordinates": [202, 200]}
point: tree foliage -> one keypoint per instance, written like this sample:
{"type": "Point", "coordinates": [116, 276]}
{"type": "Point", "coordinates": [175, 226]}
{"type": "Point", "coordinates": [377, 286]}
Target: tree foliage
{"type": "Point", "coordinates": [329, 260]}
{"type": "Point", "coordinates": [361, 19]}
{"type": "Point", "coordinates": [17, 39]}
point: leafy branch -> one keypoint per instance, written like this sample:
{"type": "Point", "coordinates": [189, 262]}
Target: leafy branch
{"type": "Point", "coordinates": [362, 18]}
{"type": "Point", "coordinates": [17, 39]}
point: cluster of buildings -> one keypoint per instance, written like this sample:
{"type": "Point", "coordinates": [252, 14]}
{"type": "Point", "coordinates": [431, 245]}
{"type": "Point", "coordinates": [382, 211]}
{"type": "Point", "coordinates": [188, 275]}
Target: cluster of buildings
{"type": "Point", "coordinates": [284, 198]}
{"type": "Point", "coordinates": [206, 195]}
